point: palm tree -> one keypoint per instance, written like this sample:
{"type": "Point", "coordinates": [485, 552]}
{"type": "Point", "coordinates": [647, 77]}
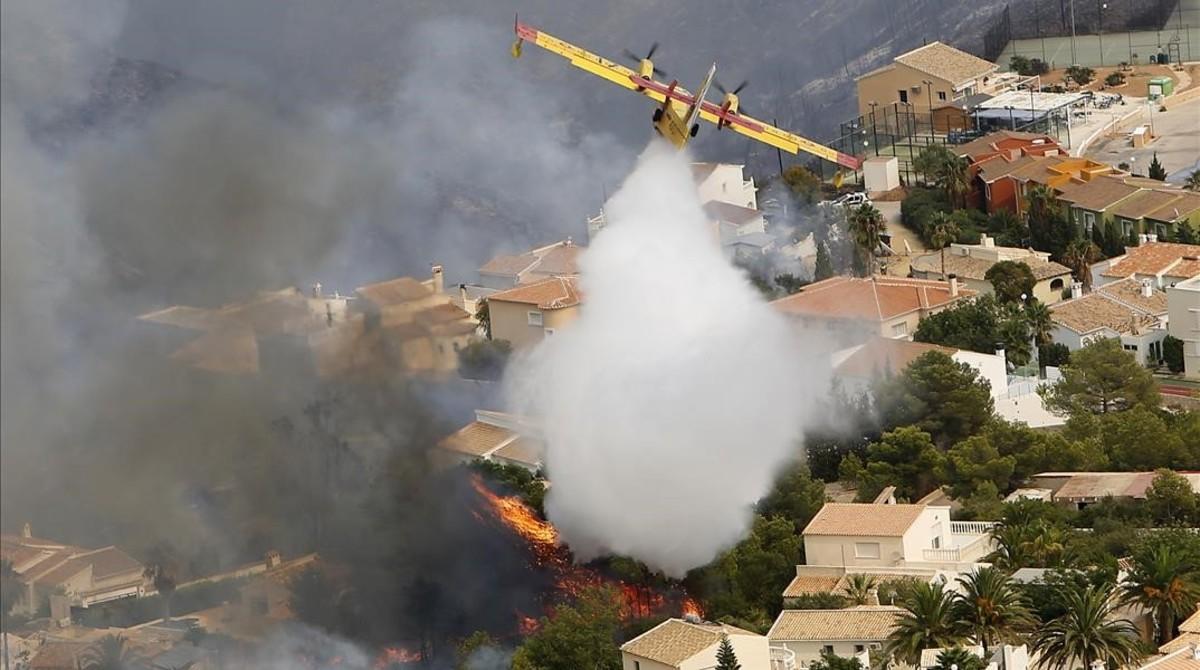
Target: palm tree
{"type": "Point", "coordinates": [957, 180]}
{"type": "Point", "coordinates": [927, 622]}
{"type": "Point", "coordinates": [110, 653]}
{"type": "Point", "coordinates": [1166, 582]}
{"type": "Point", "coordinates": [990, 608]}
{"type": "Point", "coordinates": [1040, 321]}
{"type": "Point", "coordinates": [1040, 205]}
{"type": "Point", "coordinates": [943, 231]}
{"type": "Point", "coordinates": [860, 588]}
{"type": "Point", "coordinates": [162, 576]}
{"type": "Point", "coordinates": [1012, 546]}
{"type": "Point", "coordinates": [1088, 631]}
{"type": "Point", "coordinates": [1193, 181]}
{"type": "Point", "coordinates": [866, 225]}
{"type": "Point", "coordinates": [1079, 256]}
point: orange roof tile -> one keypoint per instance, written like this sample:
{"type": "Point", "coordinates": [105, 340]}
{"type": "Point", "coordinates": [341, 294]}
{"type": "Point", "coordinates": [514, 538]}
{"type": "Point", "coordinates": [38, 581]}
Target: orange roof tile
{"type": "Point", "coordinates": [884, 355]}
{"type": "Point", "coordinates": [394, 291]}
{"type": "Point", "coordinates": [807, 584]}
{"type": "Point", "coordinates": [549, 293]}
{"type": "Point", "coordinates": [945, 62]}
{"type": "Point", "coordinates": [856, 623]}
{"type": "Point", "coordinates": [863, 519]}
{"type": "Point", "coordinates": [1129, 291]}
{"type": "Point", "coordinates": [477, 438]}
{"type": "Point", "coordinates": [1157, 258]}
{"type": "Point", "coordinates": [508, 265]}
{"type": "Point", "coordinates": [1098, 310]}
{"type": "Point", "coordinates": [873, 299]}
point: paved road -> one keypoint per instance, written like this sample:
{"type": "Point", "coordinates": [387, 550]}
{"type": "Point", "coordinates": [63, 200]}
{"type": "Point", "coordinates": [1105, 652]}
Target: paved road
{"type": "Point", "coordinates": [1178, 143]}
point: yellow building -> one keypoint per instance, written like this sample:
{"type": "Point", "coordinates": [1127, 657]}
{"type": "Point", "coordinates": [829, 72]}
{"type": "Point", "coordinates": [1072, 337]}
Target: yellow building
{"type": "Point", "coordinates": [952, 75]}
{"type": "Point", "coordinates": [526, 314]}
{"type": "Point", "coordinates": [971, 262]}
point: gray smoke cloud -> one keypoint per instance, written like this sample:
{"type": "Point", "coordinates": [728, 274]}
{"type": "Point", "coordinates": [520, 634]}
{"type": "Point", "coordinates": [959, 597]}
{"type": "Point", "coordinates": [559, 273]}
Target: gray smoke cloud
{"type": "Point", "coordinates": [671, 403]}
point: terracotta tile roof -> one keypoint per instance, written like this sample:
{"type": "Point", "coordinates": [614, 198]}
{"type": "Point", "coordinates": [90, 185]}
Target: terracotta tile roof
{"type": "Point", "coordinates": [988, 144]}
{"type": "Point", "coordinates": [1041, 169]}
{"type": "Point", "coordinates": [1155, 258]}
{"type": "Point", "coordinates": [1183, 659]}
{"type": "Point", "coordinates": [806, 584]}
{"type": "Point", "coordinates": [856, 623]}
{"type": "Point", "coordinates": [1141, 204]}
{"type": "Point", "coordinates": [508, 265]}
{"type": "Point", "coordinates": [1129, 291]}
{"type": "Point", "coordinates": [735, 214]}
{"type": "Point", "coordinates": [561, 260]}
{"type": "Point", "coordinates": [230, 351]}
{"type": "Point", "coordinates": [521, 450]}
{"type": "Point", "coordinates": [863, 519]}
{"type": "Point", "coordinates": [394, 291]}
{"type": "Point", "coordinates": [1187, 204]}
{"type": "Point", "coordinates": [972, 267]}
{"type": "Point", "coordinates": [873, 299]}
{"type": "Point", "coordinates": [1097, 310]}
{"type": "Point", "coordinates": [881, 355]}
{"type": "Point", "coordinates": [1182, 641]}
{"type": "Point", "coordinates": [110, 561]}
{"type": "Point", "coordinates": [999, 166]}
{"type": "Point", "coordinates": [1098, 193]}
{"type": "Point", "coordinates": [477, 438]}
{"type": "Point", "coordinates": [438, 314]}
{"type": "Point", "coordinates": [1192, 623]}
{"type": "Point", "coordinates": [1086, 485]}
{"type": "Point", "coordinates": [182, 316]}
{"type": "Point", "coordinates": [674, 641]}
{"type": "Point", "coordinates": [62, 572]}
{"type": "Point", "coordinates": [945, 62]}
{"type": "Point", "coordinates": [550, 293]}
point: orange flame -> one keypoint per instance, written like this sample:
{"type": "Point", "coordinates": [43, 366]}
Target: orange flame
{"type": "Point", "coordinates": [543, 537]}
{"type": "Point", "coordinates": [396, 655]}
{"type": "Point", "coordinates": [690, 606]}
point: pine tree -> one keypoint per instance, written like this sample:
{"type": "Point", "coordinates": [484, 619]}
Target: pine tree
{"type": "Point", "coordinates": [824, 267]}
{"type": "Point", "coordinates": [726, 659]}
{"type": "Point", "coordinates": [1156, 171]}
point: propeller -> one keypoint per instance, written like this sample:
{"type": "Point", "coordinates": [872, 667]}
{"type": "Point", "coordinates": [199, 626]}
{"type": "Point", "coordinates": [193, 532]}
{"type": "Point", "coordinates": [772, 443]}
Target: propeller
{"type": "Point", "coordinates": [649, 55]}
{"type": "Point", "coordinates": [735, 91]}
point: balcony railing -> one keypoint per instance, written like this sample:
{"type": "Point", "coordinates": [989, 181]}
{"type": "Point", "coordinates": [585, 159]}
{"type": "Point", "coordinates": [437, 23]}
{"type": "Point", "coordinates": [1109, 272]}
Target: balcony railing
{"type": "Point", "coordinates": [783, 658]}
{"type": "Point", "coordinates": [971, 527]}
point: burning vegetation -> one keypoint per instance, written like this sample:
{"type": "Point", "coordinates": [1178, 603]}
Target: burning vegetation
{"type": "Point", "coordinates": [639, 599]}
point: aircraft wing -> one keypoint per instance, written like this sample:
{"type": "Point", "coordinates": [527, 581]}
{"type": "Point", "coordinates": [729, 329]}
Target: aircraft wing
{"type": "Point", "coordinates": [590, 62]}
{"type": "Point", "coordinates": [776, 137]}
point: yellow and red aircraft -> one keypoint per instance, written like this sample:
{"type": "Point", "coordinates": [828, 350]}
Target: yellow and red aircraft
{"type": "Point", "coordinates": [675, 119]}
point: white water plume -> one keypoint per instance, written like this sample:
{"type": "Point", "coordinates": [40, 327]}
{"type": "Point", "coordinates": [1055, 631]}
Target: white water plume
{"type": "Point", "coordinates": [678, 394]}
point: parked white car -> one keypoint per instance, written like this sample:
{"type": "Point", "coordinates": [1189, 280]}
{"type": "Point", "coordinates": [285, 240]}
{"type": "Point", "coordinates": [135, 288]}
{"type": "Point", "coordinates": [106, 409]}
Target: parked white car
{"type": "Point", "coordinates": [852, 200]}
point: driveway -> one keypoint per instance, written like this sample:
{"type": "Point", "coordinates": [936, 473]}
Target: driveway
{"type": "Point", "coordinates": [898, 265]}
{"type": "Point", "coordinates": [1177, 143]}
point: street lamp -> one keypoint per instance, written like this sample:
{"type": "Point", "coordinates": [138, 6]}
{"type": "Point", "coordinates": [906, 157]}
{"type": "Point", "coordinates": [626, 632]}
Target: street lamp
{"type": "Point", "coordinates": [1100, 31]}
{"type": "Point", "coordinates": [929, 90]}
{"type": "Point", "coordinates": [1150, 104]}
{"type": "Point", "coordinates": [874, 129]}
{"type": "Point", "coordinates": [1074, 61]}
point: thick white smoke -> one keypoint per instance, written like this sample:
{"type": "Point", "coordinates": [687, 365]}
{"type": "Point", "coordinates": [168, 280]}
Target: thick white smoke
{"type": "Point", "coordinates": [674, 399]}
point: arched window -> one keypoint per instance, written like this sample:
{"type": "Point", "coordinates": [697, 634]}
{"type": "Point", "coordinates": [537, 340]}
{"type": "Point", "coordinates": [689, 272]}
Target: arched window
{"type": "Point", "coordinates": [1056, 284]}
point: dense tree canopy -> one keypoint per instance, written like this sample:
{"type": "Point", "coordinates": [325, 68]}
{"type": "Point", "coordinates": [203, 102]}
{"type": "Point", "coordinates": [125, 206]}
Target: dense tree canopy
{"type": "Point", "coordinates": [1102, 377]}
{"type": "Point", "coordinates": [1011, 280]}
{"type": "Point", "coordinates": [938, 395]}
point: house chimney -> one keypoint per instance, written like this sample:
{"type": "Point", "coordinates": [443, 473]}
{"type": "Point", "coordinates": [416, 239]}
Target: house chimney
{"type": "Point", "coordinates": [462, 295]}
{"type": "Point", "coordinates": [1076, 290]}
{"type": "Point", "coordinates": [273, 559]}
{"type": "Point", "coordinates": [953, 279]}
{"type": "Point", "coordinates": [1147, 288]}
{"type": "Point", "coordinates": [27, 530]}
{"type": "Point", "coordinates": [439, 283]}
{"type": "Point", "coordinates": [316, 290]}
{"type": "Point", "coordinates": [569, 243]}
{"type": "Point", "coordinates": [1195, 651]}
{"type": "Point", "coordinates": [986, 242]}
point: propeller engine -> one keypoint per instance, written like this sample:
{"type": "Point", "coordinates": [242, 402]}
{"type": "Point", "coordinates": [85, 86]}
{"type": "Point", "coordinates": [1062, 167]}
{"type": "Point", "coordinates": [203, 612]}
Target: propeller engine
{"type": "Point", "coordinates": [646, 67]}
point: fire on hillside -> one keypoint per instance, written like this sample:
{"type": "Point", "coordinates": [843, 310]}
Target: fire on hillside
{"type": "Point", "coordinates": [548, 553]}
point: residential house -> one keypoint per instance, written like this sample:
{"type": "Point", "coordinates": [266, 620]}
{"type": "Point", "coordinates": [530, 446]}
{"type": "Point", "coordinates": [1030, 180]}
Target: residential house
{"type": "Point", "coordinates": [526, 314]}
{"type": "Point", "coordinates": [691, 644]}
{"type": "Point", "coordinates": [715, 183]}
{"type": "Point", "coordinates": [971, 262]}
{"type": "Point", "coordinates": [1007, 181]}
{"type": "Point", "coordinates": [552, 260]}
{"type": "Point", "coordinates": [1008, 147]}
{"type": "Point", "coordinates": [1080, 489]}
{"type": "Point", "coordinates": [853, 632]}
{"type": "Point", "coordinates": [1158, 211]}
{"type": "Point", "coordinates": [1015, 397]}
{"type": "Point", "coordinates": [1183, 322]}
{"type": "Point", "coordinates": [1129, 309]}
{"type": "Point", "coordinates": [1185, 657]}
{"type": "Point", "coordinates": [892, 535]}
{"type": "Point", "coordinates": [1163, 263]}
{"type": "Point", "coordinates": [85, 576]}
{"type": "Point", "coordinates": [1188, 638]}
{"type": "Point", "coordinates": [1091, 203]}
{"type": "Point", "coordinates": [402, 323]}
{"type": "Point", "coordinates": [952, 75]}
{"type": "Point", "coordinates": [857, 309]}
{"type": "Point", "coordinates": [493, 436]}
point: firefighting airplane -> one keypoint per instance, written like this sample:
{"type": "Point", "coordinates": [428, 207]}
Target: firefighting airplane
{"type": "Point", "coordinates": [675, 118]}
